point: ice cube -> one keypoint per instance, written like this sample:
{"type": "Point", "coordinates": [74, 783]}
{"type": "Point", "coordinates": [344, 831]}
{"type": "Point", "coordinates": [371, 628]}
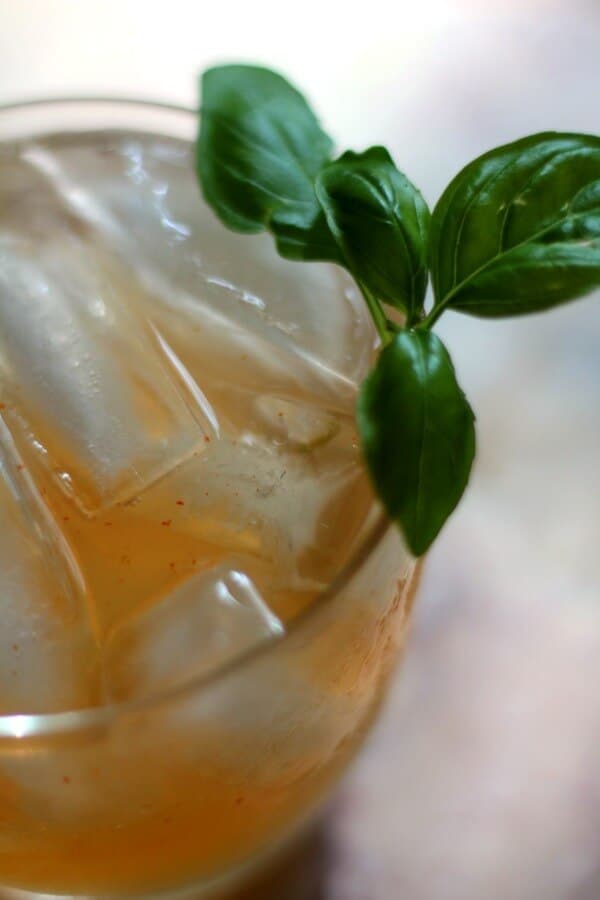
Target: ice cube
{"type": "Point", "coordinates": [248, 495]}
{"type": "Point", "coordinates": [207, 621]}
{"type": "Point", "coordinates": [80, 370]}
{"type": "Point", "coordinates": [307, 323]}
{"type": "Point", "coordinates": [48, 659]}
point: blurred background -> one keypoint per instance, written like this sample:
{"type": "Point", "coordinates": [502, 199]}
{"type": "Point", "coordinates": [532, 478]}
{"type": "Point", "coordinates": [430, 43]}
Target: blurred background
{"type": "Point", "coordinates": [482, 778]}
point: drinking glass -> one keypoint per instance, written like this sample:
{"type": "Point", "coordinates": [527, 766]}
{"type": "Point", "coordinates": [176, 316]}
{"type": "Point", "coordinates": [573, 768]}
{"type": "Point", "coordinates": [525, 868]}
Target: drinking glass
{"type": "Point", "coordinates": [194, 788]}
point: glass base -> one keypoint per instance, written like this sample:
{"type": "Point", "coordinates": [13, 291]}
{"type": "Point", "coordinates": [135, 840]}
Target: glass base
{"type": "Point", "coordinates": [293, 870]}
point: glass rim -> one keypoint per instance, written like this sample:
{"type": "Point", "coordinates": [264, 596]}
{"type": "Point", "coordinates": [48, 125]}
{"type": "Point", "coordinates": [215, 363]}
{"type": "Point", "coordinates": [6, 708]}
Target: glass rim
{"type": "Point", "coordinates": [16, 727]}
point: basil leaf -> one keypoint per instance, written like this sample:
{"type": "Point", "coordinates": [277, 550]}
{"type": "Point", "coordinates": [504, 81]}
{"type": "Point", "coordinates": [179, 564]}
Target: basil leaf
{"type": "Point", "coordinates": [518, 230]}
{"type": "Point", "coordinates": [258, 152]}
{"type": "Point", "coordinates": [381, 223]}
{"type": "Point", "coordinates": [418, 434]}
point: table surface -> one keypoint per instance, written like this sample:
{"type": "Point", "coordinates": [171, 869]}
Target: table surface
{"type": "Point", "coordinates": [481, 779]}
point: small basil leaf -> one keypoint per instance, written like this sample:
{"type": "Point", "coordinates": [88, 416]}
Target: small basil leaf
{"type": "Point", "coordinates": [518, 230]}
{"type": "Point", "coordinates": [381, 223]}
{"type": "Point", "coordinates": [418, 434]}
{"type": "Point", "coordinates": [258, 152]}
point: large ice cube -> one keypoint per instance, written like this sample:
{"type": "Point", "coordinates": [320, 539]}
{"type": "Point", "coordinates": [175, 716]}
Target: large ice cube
{"type": "Point", "coordinates": [284, 506]}
{"type": "Point", "coordinates": [206, 622]}
{"type": "Point", "coordinates": [308, 328]}
{"type": "Point", "coordinates": [48, 659]}
{"type": "Point", "coordinates": [78, 363]}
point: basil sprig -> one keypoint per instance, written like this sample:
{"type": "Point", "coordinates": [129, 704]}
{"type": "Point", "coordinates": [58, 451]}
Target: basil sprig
{"type": "Point", "coordinates": [516, 231]}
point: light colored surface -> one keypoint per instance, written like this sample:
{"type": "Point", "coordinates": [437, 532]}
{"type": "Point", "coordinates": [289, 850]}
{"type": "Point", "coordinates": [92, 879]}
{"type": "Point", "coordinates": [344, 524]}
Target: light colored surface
{"type": "Point", "coordinates": [482, 779]}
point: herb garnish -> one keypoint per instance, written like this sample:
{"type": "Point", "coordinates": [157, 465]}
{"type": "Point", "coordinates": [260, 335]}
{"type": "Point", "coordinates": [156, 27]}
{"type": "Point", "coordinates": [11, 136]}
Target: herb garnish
{"type": "Point", "coordinates": [516, 231]}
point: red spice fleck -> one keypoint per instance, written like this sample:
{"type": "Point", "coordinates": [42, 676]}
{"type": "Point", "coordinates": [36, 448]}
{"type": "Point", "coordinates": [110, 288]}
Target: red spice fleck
{"type": "Point", "coordinates": [194, 561]}
{"type": "Point", "coordinates": [2, 405]}
{"type": "Point", "coordinates": [15, 648]}
{"type": "Point", "coordinates": [239, 800]}
{"type": "Point", "coordinates": [125, 560]}
{"type": "Point", "coordinates": [66, 518]}
{"type": "Point", "coordinates": [66, 779]}
{"type": "Point", "coordinates": [207, 439]}
{"type": "Point", "coordinates": [171, 565]}
{"type": "Point", "coordinates": [20, 467]}
{"type": "Point", "coordinates": [166, 522]}
{"type": "Point", "coordinates": [206, 493]}
{"type": "Point", "coordinates": [179, 503]}
{"type": "Point", "coordinates": [108, 523]}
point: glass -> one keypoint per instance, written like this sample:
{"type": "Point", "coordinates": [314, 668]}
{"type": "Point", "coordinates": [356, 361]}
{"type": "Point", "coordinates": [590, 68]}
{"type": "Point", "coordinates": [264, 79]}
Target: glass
{"type": "Point", "coordinates": [197, 786]}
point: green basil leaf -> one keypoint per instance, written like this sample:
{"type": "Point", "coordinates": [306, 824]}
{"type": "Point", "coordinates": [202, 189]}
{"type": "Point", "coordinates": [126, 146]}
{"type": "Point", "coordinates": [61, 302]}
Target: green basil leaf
{"type": "Point", "coordinates": [418, 434]}
{"type": "Point", "coordinates": [518, 230]}
{"type": "Point", "coordinates": [258, 152]}
{"type": "Point", "coordinates": [381, 223]}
